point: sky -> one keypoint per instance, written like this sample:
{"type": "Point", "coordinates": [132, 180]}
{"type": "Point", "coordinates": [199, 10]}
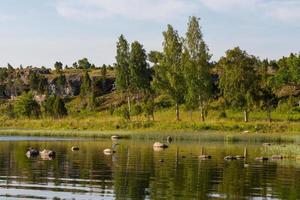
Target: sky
{"type": "Point", "coordinates": [41, 32]}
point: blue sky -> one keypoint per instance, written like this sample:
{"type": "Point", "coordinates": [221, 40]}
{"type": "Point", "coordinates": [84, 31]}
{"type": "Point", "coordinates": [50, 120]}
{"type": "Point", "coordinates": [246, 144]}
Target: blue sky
{"type": "Point", "coordinates": [40, 32]}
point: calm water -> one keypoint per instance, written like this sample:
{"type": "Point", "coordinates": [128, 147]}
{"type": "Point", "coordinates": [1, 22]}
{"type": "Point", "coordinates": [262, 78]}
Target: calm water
{"type": "Point", "coordinates": [136, 171]}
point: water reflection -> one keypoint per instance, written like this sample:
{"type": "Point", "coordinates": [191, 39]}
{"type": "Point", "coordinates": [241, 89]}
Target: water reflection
{"type": "Point", "coordinates": [136, 171]}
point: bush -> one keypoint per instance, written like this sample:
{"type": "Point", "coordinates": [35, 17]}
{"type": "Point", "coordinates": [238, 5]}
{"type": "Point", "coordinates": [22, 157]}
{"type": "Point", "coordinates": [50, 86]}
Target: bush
{"type": "Point", "coordinates": [222, 115]}
{"type": "Point", "coordinates": [124, 112]}
{"type": "Point", "coordinates": [10, 111]}
{"type": "Point", "coordinates": [136, 110]}
{"type": "Point", "coordinates": [149, 108]}
{"type": "Point", "coordinates": [27, 106]}
{"type": "Point", "coordinates": [111, 109]}
{"type": "Point", "coordinates": [163, 102]}
{"type": "Point", "coordinates": [54, 106]}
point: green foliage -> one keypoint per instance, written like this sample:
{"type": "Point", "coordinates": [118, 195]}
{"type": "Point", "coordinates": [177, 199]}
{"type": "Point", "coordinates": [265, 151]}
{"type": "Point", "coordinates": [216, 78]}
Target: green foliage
{"type": "Point", "coordinates": [111, 109]}
{"type": "Point", "coordinates": [85, 90]}
{"type": "Point", "coordinates": [123, 111]}
{"type": "Point", "coordinates": [58, 66]}
{"type": "Point", "coordinates": [122, 65]}
{"type": "Point", "coordinates": [154, 57]}
{"type": "Point", "coordinates": [267, 97]}
{"type": "Point", "coordinates": [169, 76]}
{"type": "Point", "coordinates": [9, 111]}
{"type": "Point", "coordinates": [288, 72]}
{"type": "Point", "coordinates": [54, 106]}
{"type": "Point", "coordinates": [138, 67]}
{"type": "Point", "coordinates": [148, 108]}
{"type": "Point", "coordinates": [136, 110]}
{"type": "Point", "coordinates": [48, 105]}
{"type": "Point", "coordinates": [27, 106]}
{"type": "Point", "coordinates": [197, 68]}
{"type": "Point", "coordinates": [287, 106]}
{"type": "Point", "coordinates": [84, 64]}
{"type": "Point", "coordinates": [238, 79]}
{"type": "Point", "coordinates": [92, 101]}
{"type": "Point", "coordinates": [104, 71]}
{"type": "Point", "coordinates": [163, 101]}
{"type": "Point", "coordinates": [59, 108]}
{"type": "Point", "coordinates": [61, 82]}
{"type": "Point", "coordinates": [75, 65]}
{"type": "Point", "coordinates": [38, 83]}
{"type": "Point", "coordinates": [3, 74]}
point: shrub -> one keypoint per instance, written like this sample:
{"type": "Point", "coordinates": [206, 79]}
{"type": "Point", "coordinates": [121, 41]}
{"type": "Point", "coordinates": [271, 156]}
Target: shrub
{"type": "Point", "coordinates": [163, 102]}
{"type": "Point", "coordinates": [136, 110]}
{"type": "Point", "coordinates": [124, 112]}
{"type": "Point", "coordinates": [149, 108]}
{"type": "Point", "coordinates": [27, 106]}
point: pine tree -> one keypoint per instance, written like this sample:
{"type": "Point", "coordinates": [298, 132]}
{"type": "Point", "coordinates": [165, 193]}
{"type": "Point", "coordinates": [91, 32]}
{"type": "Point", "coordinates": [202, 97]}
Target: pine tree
{"type": "Point", "coordinates": [59, 108]}
{"type": "Point", "coordinates": [85, 89]}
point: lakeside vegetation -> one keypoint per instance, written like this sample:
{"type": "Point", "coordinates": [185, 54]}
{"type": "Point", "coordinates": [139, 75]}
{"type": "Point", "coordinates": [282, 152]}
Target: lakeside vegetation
{"type": "Point", "coordinates": [177, 89]}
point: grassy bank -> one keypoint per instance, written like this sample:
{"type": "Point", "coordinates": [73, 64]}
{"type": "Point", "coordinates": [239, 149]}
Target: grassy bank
{"type": "Point", "coordinates": [102, 124]}
{"type": "Point", "coordinates": [202, 136]}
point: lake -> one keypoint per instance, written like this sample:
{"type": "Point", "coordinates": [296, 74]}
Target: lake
{"type": "Point", "coordinates": [136, 171]}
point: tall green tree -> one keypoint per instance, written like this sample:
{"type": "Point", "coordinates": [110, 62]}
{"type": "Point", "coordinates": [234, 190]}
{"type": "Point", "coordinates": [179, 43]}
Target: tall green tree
{"type": "Point", "coordinates": [197, 68]}
{"type": "Point", "coordinates": [268, 99]}
{"type": "Point", "coordinates": [104, 71]}
{"type": "Point", "coordinates": [122, 68]}
{"type": "Point", "coordinates": [60, 84]}
{"type": "Point", "coordinates": [58, 66]}
{"type": "Point", "coordinates": [239, 80]}
{"type": "Point", "coordinates": [59, 108]}
{"type": "Point", "coordinates": [169, 75]}
{"type": "Point", "coordinates": [84, 64]}
{"type": "Point", "coordinates": [54, 106]}
{"type": "Point", "coordinates": [139, 72]}
{"type": "Point", "coordinates": [85, 89]}
{"type": "Point", "coordinates": [154, 57]}
{"type": "Point", "coordinates": [38, 83]}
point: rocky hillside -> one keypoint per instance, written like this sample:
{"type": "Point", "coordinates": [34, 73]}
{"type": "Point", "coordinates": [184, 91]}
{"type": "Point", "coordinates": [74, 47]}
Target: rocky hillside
{"type": "Point", "coordinates": [15, 81]}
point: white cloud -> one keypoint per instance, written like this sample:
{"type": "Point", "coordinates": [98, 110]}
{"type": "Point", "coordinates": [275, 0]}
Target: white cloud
{"type": "Point", "coordinates": [284, 10]}
{"type": "Point", "coordinates": [287, 11]}
{"type": "Point", "coordinates": [226, 5]}
{"type": "Point", "coordinates": [158, 10]}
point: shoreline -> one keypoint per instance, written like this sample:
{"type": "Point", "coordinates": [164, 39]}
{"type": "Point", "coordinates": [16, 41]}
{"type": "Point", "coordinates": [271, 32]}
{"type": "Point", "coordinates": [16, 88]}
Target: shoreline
{"type": "Point", "coordinates": [177, 135]}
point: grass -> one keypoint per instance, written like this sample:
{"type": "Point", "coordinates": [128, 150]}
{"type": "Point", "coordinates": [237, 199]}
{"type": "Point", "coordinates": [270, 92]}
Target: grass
{"type": "Point", "coordinates": [287, 151]}
{"type": "Point", "coordinates": [102, 124]}
{"type": "Point", "coordinates": [203, 136]}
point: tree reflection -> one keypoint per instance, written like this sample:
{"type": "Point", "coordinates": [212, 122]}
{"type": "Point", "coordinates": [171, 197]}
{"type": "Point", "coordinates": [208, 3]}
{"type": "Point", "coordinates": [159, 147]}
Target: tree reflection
{"type": "Point", "coordinates": [136, 171]}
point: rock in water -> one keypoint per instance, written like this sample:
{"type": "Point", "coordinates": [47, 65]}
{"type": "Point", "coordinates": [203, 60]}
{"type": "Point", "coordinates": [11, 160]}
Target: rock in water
{"type": "Point", "coordinates": [116, 137]}
{"type": "Point", "coordinates": [48, 153]}
{"type": "Point", "coordinates": [205, 157]}
{"type": "Point", "coordinates": [169, 139]}
{"type": "Point", "coordinates": [160, 145]}
{"type": "Point", "coordinates": [266, 144]}
{"type": "Point", "coordinates": [108, 152]}
{"type": "Point", "coordinates": [31, 152]}
{"type": "Point", "coordinates": [75, 148]}
{"type": "Point", "coordinates": [277, 157]}
{"type": "Point", "coordinates": [238, 157]}
{"type": "Point", "coordinates": [230, 157]}
{"type": "Point", "coordinates": [261, 158]}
